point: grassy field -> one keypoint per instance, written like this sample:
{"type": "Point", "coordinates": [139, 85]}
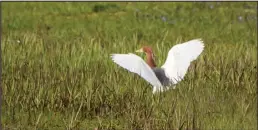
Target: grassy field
{"type": "Point", "coordinates": [57, 72]}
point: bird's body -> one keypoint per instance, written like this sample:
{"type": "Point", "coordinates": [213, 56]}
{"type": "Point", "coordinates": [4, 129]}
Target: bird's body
{"type": "Point", "coordinates": [162, 77]}
{"type": "Point", "coordinates": [170, 73]}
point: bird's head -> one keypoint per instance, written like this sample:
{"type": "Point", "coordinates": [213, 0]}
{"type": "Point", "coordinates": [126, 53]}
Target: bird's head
{"type": "Point", "coordinates": [145, 49]}
{"type": "Point", "coordinates": [148, 51]}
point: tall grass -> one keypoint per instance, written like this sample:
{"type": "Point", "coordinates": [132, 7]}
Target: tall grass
{"type": "Point", "coordinates": [57, 73]}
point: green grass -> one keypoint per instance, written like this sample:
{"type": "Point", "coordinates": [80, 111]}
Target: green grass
{"type": "Point", "coordinates": [60, 75]}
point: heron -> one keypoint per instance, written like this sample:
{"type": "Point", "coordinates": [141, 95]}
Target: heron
{"type": "Point", "coordinates": [170, 73]}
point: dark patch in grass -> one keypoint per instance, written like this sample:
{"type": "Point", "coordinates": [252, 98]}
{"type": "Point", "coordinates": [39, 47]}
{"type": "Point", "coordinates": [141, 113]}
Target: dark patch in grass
{"type": "Point", "coordinates": [101, 8]}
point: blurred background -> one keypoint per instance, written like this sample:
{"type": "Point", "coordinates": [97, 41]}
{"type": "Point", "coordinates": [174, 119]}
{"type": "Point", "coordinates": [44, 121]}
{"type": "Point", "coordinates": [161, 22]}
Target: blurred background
{"type": "Point", "coordinates": [57, 73]}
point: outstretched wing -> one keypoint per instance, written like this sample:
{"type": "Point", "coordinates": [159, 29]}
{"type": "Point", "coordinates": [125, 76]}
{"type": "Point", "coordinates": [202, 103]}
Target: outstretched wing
{"type": "Point", "coordinates": [179, 58]}
{"type": "Point", "coordinates": [135, 64]}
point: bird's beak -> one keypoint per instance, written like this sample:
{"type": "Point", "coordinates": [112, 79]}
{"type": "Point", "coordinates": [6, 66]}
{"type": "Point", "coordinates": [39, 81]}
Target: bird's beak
{"type": "Point", "coordinates": [140, 50]}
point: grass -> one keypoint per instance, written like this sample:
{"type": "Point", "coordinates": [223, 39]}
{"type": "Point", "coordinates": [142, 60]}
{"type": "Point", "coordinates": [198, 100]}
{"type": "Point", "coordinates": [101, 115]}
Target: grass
{"type": "Point", "coordinates": [57, 73]}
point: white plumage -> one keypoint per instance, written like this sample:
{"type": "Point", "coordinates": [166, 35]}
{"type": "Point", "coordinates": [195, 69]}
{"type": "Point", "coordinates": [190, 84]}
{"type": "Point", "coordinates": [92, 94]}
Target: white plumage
{"type": "Point", "coordinates": [171, 72]}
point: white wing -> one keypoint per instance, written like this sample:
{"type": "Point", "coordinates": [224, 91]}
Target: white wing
{"type": "Point", "coordinates": [135, 64]}
{"type": "Point", "coordinates": [179, 59]}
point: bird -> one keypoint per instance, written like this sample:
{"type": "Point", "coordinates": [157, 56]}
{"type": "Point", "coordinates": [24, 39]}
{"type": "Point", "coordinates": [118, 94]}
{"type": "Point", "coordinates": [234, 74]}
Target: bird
{"type": "Point", "coordinates": [170, 73]}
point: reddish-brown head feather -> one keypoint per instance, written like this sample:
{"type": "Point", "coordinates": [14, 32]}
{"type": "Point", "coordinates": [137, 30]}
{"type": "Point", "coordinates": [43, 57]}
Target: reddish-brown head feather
{"type": "Point", "coordinates": [147, 49]}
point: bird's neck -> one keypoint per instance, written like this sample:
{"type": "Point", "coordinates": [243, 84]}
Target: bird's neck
{"type": "Point", "coordinates": [150, 60]}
